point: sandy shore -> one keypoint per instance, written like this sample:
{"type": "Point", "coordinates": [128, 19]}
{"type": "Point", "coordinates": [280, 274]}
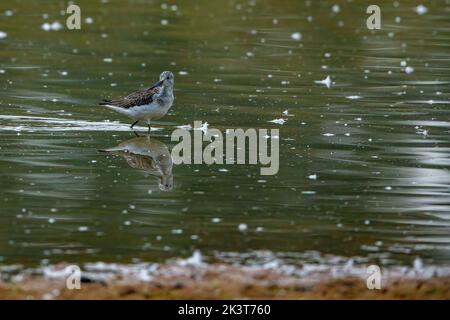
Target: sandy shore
{"type": "Point", "coordinates": [217, 281]}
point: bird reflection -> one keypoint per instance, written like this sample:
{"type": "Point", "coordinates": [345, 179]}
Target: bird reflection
{"type": "Point", "coordinates": [148, 154]}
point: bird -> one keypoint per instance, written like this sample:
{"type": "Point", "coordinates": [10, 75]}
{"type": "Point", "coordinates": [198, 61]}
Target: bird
{"type": "Point", "coordinates": [148, 154]}
{"type": "Point", "coordinates": [148, 104]}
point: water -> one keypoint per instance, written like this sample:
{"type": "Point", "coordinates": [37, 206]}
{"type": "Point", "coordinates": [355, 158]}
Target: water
{"type": "Point", "coordinates": [364, 164]}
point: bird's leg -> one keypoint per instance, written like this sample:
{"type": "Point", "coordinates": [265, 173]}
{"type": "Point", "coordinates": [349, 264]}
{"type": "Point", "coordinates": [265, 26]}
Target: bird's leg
{"type": "Point", "coordinates": [149, 128]}
{"type": "Point", "coordinates": [134, 124]}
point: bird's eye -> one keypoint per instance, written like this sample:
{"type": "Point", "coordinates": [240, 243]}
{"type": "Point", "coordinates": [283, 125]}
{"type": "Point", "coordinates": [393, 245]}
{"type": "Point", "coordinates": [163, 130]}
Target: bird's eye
{"type": "Point", "coordinates": [168, 78]}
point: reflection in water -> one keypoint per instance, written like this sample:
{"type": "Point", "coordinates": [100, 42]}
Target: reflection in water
{"type": "Point", "coordinates": [148, 154]}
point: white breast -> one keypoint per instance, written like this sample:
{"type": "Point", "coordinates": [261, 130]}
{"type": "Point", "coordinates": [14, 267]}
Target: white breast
{"type": "Point", "coordinates": [148, 111]}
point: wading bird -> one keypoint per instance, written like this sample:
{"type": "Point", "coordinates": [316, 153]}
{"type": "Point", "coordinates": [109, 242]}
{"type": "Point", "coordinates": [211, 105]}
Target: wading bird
{"type": "Point", "coordinates": [147, 104]}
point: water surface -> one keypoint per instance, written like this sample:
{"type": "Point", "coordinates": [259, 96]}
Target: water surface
{"type": "Point", "coordinates": [364, 164]}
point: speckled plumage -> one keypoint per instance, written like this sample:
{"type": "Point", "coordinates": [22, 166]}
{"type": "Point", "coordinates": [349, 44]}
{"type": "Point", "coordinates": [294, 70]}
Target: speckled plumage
{"type": "Point", "coordinates": [147, 104]}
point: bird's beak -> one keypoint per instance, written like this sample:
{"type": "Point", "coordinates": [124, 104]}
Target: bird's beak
{"type": "Point", "coordinates": [158, 84]}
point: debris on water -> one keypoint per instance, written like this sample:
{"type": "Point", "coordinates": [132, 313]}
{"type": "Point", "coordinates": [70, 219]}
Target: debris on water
{"type": "Point", "coordinates": [107, 60]}
{"type": "Point", "coordinates": [287, 114]}
{"type": "Point", "coordinates": [421, 9]}
{"type": "Point", "coordinates": [326, 82]}
{"type": "Point", "coordinates": [242, 227]}
{"type": "Point", "coordinates": [89, 20]}
{"type": "Point", "coordinates": [388, 188]}
{"type": "Point", "coordinates": [280, 121]}
{"type": "Point", "coordinates": [422, 132]}
{"type": "Point", "coordinates": [297, 36]}
{"type": "Point", "coordinates": [177, 231]}
{"type": "Point", "coordinates": [54, 26]}
{"type": "Point", "coordinates": [308, 192]}
{"type": "Point", "coordinates": [83, 229]}
{"type": "Point", "coordinates": [336, 8]}
{"type": "Point", "coordinates": [223, 170]}
{"type": "Point", "coordinates": [216, 220]}
{"type": "Point", "coordinates": [3, 35]}
{"type": "Point", "coordinates": [312, 177]}
{"type": "Point", "coordinates": [183, 73]}
{"type": "Point", "coordinates": [409, 69]}
{"type": "Point", "coordinates": [164, 22]}
{"type": "Point", "coordinates": [353, 97]}
{"type": "Point", "coordinates": [328, 134]}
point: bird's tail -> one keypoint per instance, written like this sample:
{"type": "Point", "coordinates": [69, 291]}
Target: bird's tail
{"type": "Point", "coordinates": [105, 102]}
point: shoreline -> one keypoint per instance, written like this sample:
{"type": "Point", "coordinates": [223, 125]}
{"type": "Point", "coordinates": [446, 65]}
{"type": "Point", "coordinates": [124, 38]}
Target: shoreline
{"type": "Point", "coordinates": [190, 279]}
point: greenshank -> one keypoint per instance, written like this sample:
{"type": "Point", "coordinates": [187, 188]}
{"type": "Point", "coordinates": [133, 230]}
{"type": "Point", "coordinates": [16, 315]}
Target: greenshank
{"type": "Point", "coordinates": [147, 104]}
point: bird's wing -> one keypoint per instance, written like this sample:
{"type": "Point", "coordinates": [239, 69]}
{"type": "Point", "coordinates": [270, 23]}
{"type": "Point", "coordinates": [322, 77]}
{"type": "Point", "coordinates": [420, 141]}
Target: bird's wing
{"type": "Point", "coordinates": [137, 98]}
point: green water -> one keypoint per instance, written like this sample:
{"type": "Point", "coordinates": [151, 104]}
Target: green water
{"type": "Point", "coordinates": [376, 142]}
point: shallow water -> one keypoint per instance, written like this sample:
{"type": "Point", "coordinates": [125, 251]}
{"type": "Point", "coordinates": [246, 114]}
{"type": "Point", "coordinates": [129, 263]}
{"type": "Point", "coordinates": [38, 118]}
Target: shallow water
{"type": "Point", "coordinates": [364, 164]}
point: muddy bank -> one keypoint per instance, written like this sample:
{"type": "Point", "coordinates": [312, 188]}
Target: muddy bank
{"type": "Point", "coordinates": [218, 281]}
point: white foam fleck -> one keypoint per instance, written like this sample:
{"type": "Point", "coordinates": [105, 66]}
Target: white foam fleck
{"type": "Point", "coordinates": [421, 9]}
{"type": "Point", "coordinates": [297, 36]}
{"type": "Point", "coordinates": [409, 69]}
{"type": "Point", "coordinates": [278, 121]}
{"type": "Point", "coordinates": [326, 82]}
{"type": "Point", "coordinates": [242, 227]}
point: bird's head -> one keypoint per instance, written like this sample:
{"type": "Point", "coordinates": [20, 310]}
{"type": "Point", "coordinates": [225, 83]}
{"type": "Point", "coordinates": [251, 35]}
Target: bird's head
{"type": "Point", "coordinates": [166, 78]}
